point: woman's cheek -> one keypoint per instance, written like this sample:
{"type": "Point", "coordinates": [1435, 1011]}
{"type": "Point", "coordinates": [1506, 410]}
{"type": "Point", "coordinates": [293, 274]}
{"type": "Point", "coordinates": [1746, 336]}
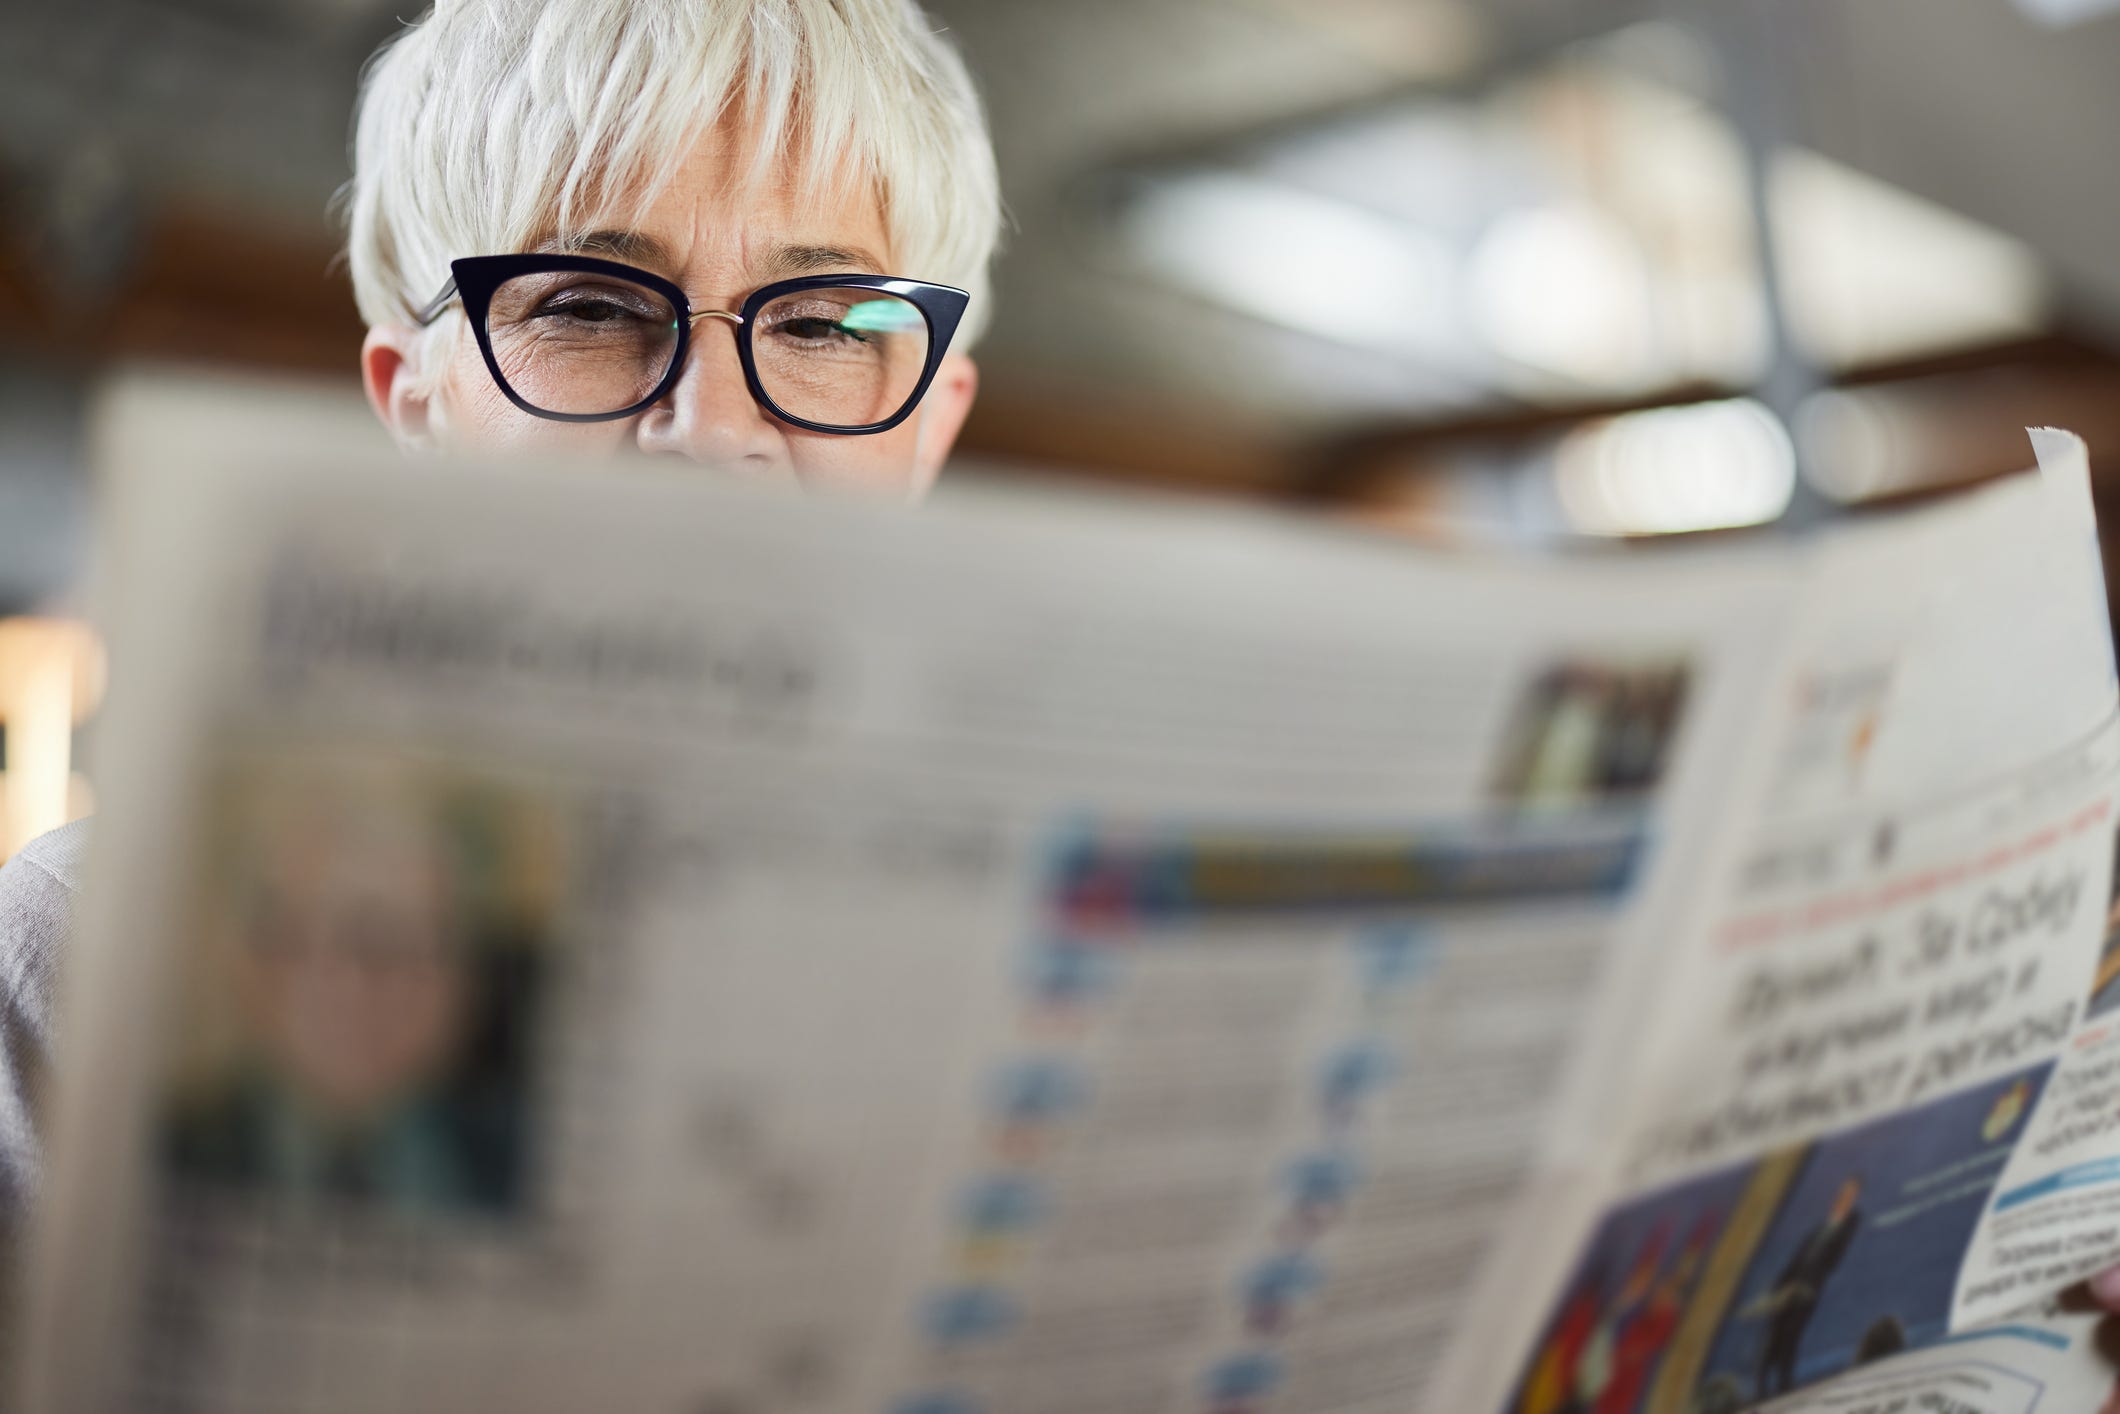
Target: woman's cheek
{"type": "Point", "coordinates": [878, 465]}
{"type": "Point", "coordinates": [479, 418]}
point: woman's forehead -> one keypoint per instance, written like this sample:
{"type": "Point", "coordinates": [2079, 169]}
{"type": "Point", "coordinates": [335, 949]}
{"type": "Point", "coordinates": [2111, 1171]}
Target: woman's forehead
{"type": "Point", "coordinates": [766, 255]}
{"type": "Point", "coordinates": [724, 211]}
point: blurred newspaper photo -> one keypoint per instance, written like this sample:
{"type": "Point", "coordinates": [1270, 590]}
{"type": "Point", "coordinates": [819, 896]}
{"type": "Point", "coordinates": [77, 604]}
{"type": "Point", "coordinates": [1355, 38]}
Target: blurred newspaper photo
{"type": "Point", "coordinates": [563, 943]}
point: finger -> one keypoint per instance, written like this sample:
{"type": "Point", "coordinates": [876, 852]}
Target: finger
{"type": "Point", "coordinates": [2106, 1288]}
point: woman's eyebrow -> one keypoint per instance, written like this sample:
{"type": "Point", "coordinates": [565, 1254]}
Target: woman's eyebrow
{"type": "Point", "coordinates": [618, 244]}
{"type": "Point", "coordinates": [814, 259]}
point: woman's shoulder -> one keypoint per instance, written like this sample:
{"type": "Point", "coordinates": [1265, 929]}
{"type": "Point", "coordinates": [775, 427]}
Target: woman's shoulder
{"type": "Point", "coordinates": [37, 889]}
{"type": "Point", "coordinates": [52, 858]}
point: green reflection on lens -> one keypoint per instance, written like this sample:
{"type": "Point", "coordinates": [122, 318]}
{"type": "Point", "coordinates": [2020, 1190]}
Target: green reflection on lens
{"type": "Point", "coordinates": [882, 315]}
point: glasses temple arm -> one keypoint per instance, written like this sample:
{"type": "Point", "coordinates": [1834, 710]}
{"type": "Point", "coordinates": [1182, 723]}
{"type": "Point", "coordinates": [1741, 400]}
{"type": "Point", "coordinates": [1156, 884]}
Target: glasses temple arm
{"type": "Point", "coordinates": [435, 306]}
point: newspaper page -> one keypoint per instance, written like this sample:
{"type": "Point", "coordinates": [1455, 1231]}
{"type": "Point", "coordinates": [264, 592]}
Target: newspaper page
{"type": "Point", "coordinates": [556, 943]}
{"type": "Point", "coordinates": [2018, 1367]}
{"type": "Point", "coordinates": [2054, 1217]}
{"type": "Point", "coordinates": [1855, 1044]}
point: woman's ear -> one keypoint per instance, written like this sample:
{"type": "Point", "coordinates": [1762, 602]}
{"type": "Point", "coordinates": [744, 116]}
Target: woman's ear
{"type": "Point", "coordinates": [389, 373]}
{"type": "Point", "coordinates": [942, 413]}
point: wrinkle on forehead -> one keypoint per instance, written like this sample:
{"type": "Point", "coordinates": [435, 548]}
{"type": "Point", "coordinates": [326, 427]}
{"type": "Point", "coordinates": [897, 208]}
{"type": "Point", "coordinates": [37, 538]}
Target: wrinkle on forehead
{"type": "Point", "coordinates": [641, 248]}
{"type": "Point", "coordinates": [722, 203]}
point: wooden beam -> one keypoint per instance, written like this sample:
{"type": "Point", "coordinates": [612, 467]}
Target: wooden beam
{"type": "Point", "coordinates": [203, 287]}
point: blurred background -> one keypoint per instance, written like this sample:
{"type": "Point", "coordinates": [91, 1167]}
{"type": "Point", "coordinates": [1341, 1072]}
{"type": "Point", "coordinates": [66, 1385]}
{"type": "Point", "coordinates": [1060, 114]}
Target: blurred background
{"type": "Point", "coordinates": [1528, 273]}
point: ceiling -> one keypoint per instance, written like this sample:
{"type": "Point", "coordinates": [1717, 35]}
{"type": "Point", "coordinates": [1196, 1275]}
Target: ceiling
{"type": "Point", "coordinates": [1969, 103]}
{"type": "Point", "coordinates": [108, 107]}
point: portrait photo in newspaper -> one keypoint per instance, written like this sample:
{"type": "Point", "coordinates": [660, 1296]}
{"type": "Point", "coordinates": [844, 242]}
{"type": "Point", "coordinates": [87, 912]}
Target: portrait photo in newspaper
{"type": "Point", "coordinates": [364, 991]}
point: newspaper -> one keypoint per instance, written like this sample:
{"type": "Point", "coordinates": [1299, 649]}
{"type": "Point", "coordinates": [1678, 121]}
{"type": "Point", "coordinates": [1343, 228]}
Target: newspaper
{"type": "Point", "coordinates": [559, 943]}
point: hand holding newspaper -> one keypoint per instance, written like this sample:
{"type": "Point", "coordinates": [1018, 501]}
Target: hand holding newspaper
{"type": "Point", "coordinates": [560, 944]}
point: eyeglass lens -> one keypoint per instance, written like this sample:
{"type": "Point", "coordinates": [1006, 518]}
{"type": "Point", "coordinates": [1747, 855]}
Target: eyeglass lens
{"type": "Point", "coordinates": [584, 343]}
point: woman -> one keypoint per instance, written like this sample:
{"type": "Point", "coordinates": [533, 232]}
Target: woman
{"type": "Point", "coordinates": [751, 233]}
{"type": "Point", "coordinates": [688, 156]}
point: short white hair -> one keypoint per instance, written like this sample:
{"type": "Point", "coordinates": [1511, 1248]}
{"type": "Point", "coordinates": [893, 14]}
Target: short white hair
{"type": "Point", "coordinates": [493, 124]}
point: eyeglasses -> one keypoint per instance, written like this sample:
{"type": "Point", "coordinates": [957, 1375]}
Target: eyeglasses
{"type": "Point", "coordinates": [578, 339]}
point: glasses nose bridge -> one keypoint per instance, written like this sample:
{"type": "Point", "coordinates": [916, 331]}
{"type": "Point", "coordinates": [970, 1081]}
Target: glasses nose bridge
{"type": "Point", "coordinates": [734, 320]}
{"type": "Point", "coordinates": [692, 359]}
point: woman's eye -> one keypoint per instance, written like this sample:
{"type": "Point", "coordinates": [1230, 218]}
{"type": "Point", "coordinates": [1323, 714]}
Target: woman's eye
{"type": "Point", "coordinates": [811, 327]}
{"type": "Point", "coordinates": [592, 303]}
{"type": "Point", "coordinates": [589, 311]}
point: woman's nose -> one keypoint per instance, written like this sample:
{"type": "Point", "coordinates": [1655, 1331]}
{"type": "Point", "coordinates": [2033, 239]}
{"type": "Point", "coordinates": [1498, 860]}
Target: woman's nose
{"type": "Point", "coordinates": [709, 414]}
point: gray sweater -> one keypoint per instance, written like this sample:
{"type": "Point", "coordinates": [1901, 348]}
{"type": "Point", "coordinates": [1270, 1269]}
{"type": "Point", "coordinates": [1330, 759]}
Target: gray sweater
{"type": "Point", "coordinates": [37, 888]}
